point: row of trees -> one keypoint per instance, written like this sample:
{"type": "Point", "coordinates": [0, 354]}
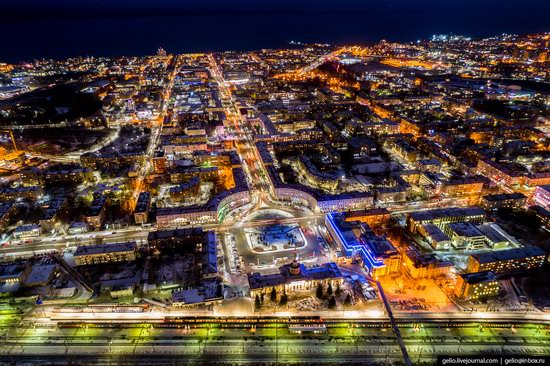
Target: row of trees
{"type": "Point", "coordinates": [319, 293]}
{"type": "Point", "coordinates": [259, 300]}
{"type": "Point", "coordinates": [332, 295]}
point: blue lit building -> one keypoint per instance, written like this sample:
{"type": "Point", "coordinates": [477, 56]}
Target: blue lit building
{"type": "Point", "coordinates": [358, 241]}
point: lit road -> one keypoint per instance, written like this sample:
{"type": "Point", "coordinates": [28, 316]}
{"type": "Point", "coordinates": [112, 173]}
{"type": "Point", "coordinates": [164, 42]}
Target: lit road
{"type": "Point", "coordinates": [257, 178]}
{"type": "Point", "coordinates": [29, 247]}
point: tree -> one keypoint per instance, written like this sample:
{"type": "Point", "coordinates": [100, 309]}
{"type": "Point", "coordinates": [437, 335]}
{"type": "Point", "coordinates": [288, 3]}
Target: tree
{"type": "Point", "coordinates": [331, 302]}
{"type": "Point", "coordinates": [329, 289]}
{"type": "Point", "coordinates": [338, 291]}
{"type": "Point", "coordinates": [319, 292]}
{"type": "Point", "coordinates": [284, 299]}
{"type": "Point", "coordinates": [273, 295]}
{"type": "Point", "coordinates": [257, 303]}
{"type": "Point", "coordinates": [347, 300]}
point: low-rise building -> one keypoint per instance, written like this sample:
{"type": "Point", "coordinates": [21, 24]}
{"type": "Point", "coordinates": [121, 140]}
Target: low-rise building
{"type": "Point", "coordinates": [78, 227]}
{"type": "Point", "coordinates": [420, 266]}
{"type": "Point", "coordinates": [435, 236]}
{"type": "Point", "coordinates": [357, 241]}
{"type": "Point", "coordinates": [105, 253]}
{"type": "Point", "coordinates": [208, 292]}
{"type": "Point", "coordinates": [24, 193]}
{"type": "Point", "coordinates": [542, 196]}
{"type": "Point", "coordinates": [96, 212]}
{"type": "Point", "coordinates": [374, 217]}
{"type": "Point", "coordinates": [8, 210]}
{"type": "Point", "coordinates": [542, 214]}
{"type": "Point", "coordinates": [56, 212]}
{"type": "Point", "coordinates": [187, 190]}
{"type": "Point", "coordinates": [507, 200]}
{"type": "Point", "coordinates": [295, 277]}
{"type": "Point", "coordinates": [14, 272]}
{"type": "Point", "coordinates": [465, 186]}
{"type": "Point", "coordinates": [175, 238]}
{"type": "Point", "coordinates": [42, 272]}
{"type": "Point", "coordinates": [475, 286]}
{"type": "Point", "coordinates": [507, 260]}
{"type": "Point", "coordinates": [192, 240]}
{"type": "Point", "coordinates": [118, 291]}
{"type": "Point", "coordinates": [27, 231]}
{"type": "Point", "coordinates": [465, 236]}
{"type": "Point", "coordinates": [143, 206]}
{"type": "Point", "coordinates": [444, 216]}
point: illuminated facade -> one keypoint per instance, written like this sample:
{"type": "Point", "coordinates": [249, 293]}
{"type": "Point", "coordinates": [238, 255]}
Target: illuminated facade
{"type": "Point", "coordinates": [356, 240]}
{"type": "Point", "coordinates": [444, 216]}
{"type": "Point", "coordinates": [475, 286]}
{"type": "Point", "coordinates": [173, 217]}
{"type": "Point", "coordinates": [8, 210]}
{"type": "Point", "coordinates": [186, 190]}
{"type": "Point", "coordinates": [27, 231]}
{"type": "Point", "coordinates": [295, 277]}
{"type": "Point", "coordinates": [510, 201]}
{"type": "Point", "coordinates": [105, 253]}
{"type": "Point", "coordinates": [374, 217]}
{"type": "Point", "coordinates": [420, 266]}
{"type": "Point", "coordinates": [508, 260]}
{"type": "Point", "coordinates": [542, 196]}
{"type": "Point", "coordinates": [143, 206]}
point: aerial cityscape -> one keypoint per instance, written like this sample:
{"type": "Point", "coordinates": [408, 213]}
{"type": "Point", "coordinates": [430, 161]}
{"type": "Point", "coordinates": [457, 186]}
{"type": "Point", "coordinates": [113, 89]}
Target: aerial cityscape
{"type": "Point", "coordinates": [385, 203]}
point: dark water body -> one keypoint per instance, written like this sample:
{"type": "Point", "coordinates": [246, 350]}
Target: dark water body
{"type": "Point", "coordinates": [60, 38]}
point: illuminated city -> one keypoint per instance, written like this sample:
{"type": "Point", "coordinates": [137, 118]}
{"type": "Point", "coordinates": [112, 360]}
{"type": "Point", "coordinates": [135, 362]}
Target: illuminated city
{"type": "Point", "coordinates": [319, 203]}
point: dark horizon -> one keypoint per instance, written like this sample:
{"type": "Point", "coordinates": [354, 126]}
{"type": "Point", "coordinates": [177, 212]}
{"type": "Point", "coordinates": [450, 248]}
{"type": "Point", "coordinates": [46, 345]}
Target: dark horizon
{"type": "Point", "coordinates": [18, 10]}
{"type": "Point", "coordinates": [61, 29]}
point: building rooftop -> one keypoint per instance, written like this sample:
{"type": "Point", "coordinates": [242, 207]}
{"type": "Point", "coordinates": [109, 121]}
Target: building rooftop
{"type": "Point", "coordinates": [321, 272]}
{"type": "Point", "coordinates": [143, 202]}
{"type": "Point", "coordinates": [465, 229]}
{"type": "Point", "coordinates": [5, 207]}
{"type": "Point", "coordinates": [492, 234]}
{"type": "Point", "coordinates": [478, 277]}
{"type": "Point", "coordinates": [508, 254]}
{"type": "Point", "coordinates": [12, 269]}
{"type": "Point", "coordinates": [361, 213]}
{"type": "Point", "coordinates": [53, 207]}
{"type": "Point", "coordinates": [435, 233]}
{"type": "Point", "coordinates": [424, 260]}
{"type": "Point", "coordinates": [504, 197]}
{"type": "Point", "coordinates": [209, 290]}
{"type": "Point", "coordinates": [191, 183]}
{"type": "Point", "coordinates": [40, 273]}
{"type": "Point", "coordinates": [175, 233]}
{"type": "Point", "coordinates": [105, 249]}
{"type": "Point", "coordinates": [26, 227]}
{"type": "Point", "coordinates": [446, 212]}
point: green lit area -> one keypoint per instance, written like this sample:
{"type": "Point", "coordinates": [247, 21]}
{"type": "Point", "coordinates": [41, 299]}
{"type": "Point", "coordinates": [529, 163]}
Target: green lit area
{"type": "Point", "coordinates": [246, 342]}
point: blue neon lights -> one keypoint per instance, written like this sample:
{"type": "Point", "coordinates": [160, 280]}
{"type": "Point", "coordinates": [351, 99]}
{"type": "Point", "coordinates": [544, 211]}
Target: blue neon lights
{"type": "Point", "coordinates": [363, 249]}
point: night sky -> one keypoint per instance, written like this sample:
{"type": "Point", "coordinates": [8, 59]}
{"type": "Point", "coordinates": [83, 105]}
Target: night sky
{"type": "Point", "coordinates": [494, 6]}
{"type": "Point", "coordinates": [63, 28]}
